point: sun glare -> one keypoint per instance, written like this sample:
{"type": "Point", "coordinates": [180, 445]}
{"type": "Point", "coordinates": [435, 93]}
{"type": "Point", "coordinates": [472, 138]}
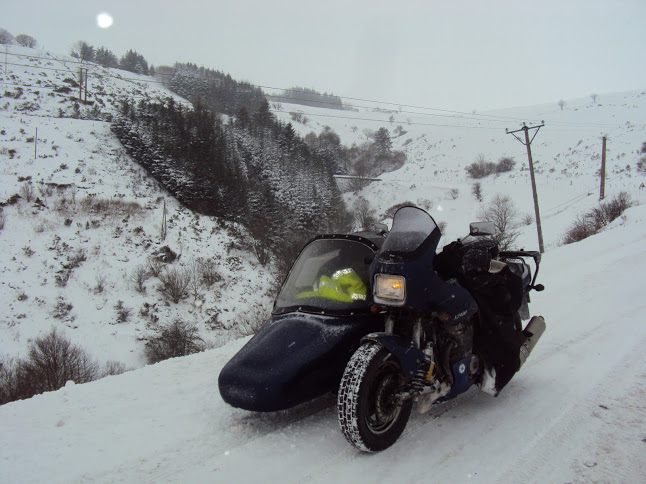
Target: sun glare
{"type": "Point", "coordinates": [104, 20]}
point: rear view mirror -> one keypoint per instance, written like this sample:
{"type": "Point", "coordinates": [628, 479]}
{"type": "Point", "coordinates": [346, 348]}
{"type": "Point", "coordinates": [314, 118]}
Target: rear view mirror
{"type": "Point", "coordinates": [482, 228]}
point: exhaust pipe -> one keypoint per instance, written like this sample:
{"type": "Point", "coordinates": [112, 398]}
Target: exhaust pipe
{"type": "Point", "coordinates": [534, 330]}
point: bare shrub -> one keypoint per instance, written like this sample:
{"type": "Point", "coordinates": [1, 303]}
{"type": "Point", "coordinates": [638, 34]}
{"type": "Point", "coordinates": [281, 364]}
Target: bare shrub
{"type": "Point", "coordinates": [593, 221]}
{"type": "Point", "coordinates": [174, 283]}
{"type": "Point", "coordinates": [113, 368]}
{"type": "Point", "coordinates": [179, 338]}
{"type": "Point", "coordinates": [476, 190]}
{"type": "Point", "coordinates": [252, 321]}
{"type": "Point", "coordinates": [51, 362]}
{"type": "Point", "coordinates": [9, 382]}
{"type": "Point", "coordinates": [139, 277]}
{"type": "Point", "coordinates": [480, 168]}
{"type": "Point", "coordinates": [502, 213]}
{"type": "Point", "coordinates": [62, 308]}
{"type": "Point", "coordinates": [209, 273]}
{"type": "Point", "coordinates": [527, 219]}
{"type": "Point", "coordinates": [123, 312]}
{"type": "Point", "coordinates": [27, 191]}
{"type": "Point", "coordinates": [454, 193]}
{"type": "Point", "coordinates": [505, 164]}
{"type": "Point", "coordinates": [3, 220]}
{"type": "Point", "coordinates": [390, 211]}
{"type": "Point", "coordinates": [608, 211]}
{"type": "Point", "coordinates": [75, 259]}
{"type": "Point", "coordinates": [100, 283]}
{"type": "Point", "coordinates": [581, 228]}
{"type": "Point", "coordinates": [155, 266]}
{"type": "Point", "coordinates": [425, 203]}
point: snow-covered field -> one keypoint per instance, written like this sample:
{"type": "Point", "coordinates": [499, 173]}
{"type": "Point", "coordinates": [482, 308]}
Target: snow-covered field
{"type": "Point", "coordinates": [575, 413]}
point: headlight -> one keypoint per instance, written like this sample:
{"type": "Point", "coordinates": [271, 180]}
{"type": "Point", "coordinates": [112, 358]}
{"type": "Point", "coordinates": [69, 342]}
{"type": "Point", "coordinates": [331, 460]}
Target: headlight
{"type": "Point", "coordinates": [390, 289]}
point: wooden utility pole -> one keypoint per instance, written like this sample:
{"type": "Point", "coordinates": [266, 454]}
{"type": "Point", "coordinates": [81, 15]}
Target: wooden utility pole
{"type": "Point", "coordinates": [528, 144]}
{"type": "Point", "coordinates": [602, 188]}
{"type": "Point", "coordinates": [164, 226]}
{"type": "Point", "coordinates": [82, 82]}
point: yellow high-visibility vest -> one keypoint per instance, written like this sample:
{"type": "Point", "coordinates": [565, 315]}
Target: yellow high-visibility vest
{"type": "Point", "coordinates": [345, 285]}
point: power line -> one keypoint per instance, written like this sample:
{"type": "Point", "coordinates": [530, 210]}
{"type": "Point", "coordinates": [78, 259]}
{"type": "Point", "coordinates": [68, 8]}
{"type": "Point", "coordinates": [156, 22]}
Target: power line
{"type": "Point", "coordinates": [453, 113]}
{"type": "Point", "coordinates": [387, 121]}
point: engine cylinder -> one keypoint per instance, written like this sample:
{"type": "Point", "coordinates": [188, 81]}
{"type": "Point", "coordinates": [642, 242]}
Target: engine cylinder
{"type": "Point", "coordinates": [462, 335]}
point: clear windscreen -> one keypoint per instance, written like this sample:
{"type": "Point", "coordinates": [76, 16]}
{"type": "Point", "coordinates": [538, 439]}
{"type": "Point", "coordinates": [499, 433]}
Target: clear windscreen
{"type": "Point", "coordinates": [411, 228]}
{"type": "Point", "coordinates": [330, 274]}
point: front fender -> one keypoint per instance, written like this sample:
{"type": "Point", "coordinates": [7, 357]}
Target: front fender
{"type": "Point", "coordinates": [409, 357]}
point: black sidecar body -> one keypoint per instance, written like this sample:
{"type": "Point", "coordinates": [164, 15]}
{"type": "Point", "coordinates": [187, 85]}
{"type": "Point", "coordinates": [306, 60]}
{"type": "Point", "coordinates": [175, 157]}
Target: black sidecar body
{"type": "Point", "coordinates": [319, 317]}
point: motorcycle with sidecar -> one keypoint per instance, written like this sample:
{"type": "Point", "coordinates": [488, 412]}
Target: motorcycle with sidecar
{"type": "Point", "coordinates": [385, 321]}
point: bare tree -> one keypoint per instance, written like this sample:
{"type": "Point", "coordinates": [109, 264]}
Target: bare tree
{"type": "Point", "coordinates": [53, 360]}
{"type": "Point", "coordinates": [561, 103]}
{"type": "Point", "coordinates": [174, 283]}
{"type": "Point", "coordinates": [177, 339]}
{"type": "Point", "coordinates": [502, 213]}
{"type": "Point", "coordinates": [195, 275]}
{"type": "Point", "coordinates": [5, 37]}
{"type": "Point", "coordinates": [594, 96]}
{"type": "Point", "coordinates": [26, 40]}
{"type": "Point", "coordinates": [364, 214]}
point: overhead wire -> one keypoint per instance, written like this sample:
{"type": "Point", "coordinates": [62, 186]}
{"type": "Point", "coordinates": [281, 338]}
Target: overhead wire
{"type": "Point", "coordinates": [446, 113]}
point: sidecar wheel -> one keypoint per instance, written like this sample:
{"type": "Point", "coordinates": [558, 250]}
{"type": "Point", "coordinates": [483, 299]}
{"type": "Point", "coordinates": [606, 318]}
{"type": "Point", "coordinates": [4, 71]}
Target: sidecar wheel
{"type": "Point", "coordinates": [369, 417]}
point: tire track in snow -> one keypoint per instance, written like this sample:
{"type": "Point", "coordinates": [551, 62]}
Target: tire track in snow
{"type": "Point", "coordinates": [575, 420]}
{"type": "Point", "coordinates": [415, 424]}
{"type": "Point", "coordinates": [199, 449]}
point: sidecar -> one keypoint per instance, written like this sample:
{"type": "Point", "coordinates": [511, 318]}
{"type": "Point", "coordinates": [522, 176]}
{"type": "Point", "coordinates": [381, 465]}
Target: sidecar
{"type": "Point", "coordinates": [319, 317]}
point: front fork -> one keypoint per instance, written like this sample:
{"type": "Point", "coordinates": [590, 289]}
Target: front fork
{"type": "Point", "coordinates": [417, 329]}
{"type": "Point", "coordinates": [422, 381]}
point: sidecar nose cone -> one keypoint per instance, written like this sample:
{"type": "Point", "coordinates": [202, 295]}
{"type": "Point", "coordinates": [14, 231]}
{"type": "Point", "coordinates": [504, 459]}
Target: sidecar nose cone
{"type": "Point", "coordinates": [292, 359]}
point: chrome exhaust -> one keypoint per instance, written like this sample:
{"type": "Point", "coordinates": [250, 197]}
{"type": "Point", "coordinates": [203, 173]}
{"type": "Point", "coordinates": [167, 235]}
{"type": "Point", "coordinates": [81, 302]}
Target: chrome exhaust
{"type": "Point", "coordinates": [534, 330]}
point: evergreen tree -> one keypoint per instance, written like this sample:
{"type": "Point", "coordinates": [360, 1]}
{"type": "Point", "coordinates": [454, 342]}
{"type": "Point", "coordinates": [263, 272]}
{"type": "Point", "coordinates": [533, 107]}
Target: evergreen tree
{"type": "Point", "coordinates": [106, 58]}
{"type": "Point", "coordinates": [134, 62]}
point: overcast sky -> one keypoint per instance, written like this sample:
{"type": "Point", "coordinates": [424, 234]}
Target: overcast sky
{"type": "Point", "coordinates": [448, 54]}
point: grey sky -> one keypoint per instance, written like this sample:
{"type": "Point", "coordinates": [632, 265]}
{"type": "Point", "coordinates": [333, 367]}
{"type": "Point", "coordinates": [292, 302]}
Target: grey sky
{"type": "Point", "coordinates": [448, 54]}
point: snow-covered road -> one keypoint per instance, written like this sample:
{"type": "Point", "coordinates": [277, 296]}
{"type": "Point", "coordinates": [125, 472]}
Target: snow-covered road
{"type": "Point", "coordinates": [576, 412]}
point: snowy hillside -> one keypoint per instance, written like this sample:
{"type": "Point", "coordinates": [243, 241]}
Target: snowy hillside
{"type": "Point", "coordinates": [439, 145]}
{"type": "Point", "coordinates": [89, 218]}
{"type": "Point", "coordinates": [576, 412]}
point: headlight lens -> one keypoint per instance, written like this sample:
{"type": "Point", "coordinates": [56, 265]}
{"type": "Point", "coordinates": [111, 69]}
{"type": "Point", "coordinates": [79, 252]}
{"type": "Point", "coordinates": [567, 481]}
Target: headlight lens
{"type": "Point", "coordinates": [390, 289]}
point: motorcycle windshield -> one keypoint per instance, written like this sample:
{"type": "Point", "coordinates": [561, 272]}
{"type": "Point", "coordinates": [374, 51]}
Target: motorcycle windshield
{"type": "Point", "coordinates": [414, 231]}
{"type": "Point", "coordinates": [330, 275]}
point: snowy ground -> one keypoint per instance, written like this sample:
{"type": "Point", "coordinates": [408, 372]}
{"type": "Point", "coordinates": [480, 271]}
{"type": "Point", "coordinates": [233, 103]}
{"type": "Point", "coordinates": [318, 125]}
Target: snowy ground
{"type": "Point", "coordinates": [575, 413]}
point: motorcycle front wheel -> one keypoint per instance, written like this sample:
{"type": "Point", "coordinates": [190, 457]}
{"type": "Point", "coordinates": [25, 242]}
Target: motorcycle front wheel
{"type": "Point", "coordinates": [369, 416]}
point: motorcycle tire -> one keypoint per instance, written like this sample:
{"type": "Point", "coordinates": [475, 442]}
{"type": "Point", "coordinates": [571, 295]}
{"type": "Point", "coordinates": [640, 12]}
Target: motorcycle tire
{"type": "Point", "coordinates": [369, 418]}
